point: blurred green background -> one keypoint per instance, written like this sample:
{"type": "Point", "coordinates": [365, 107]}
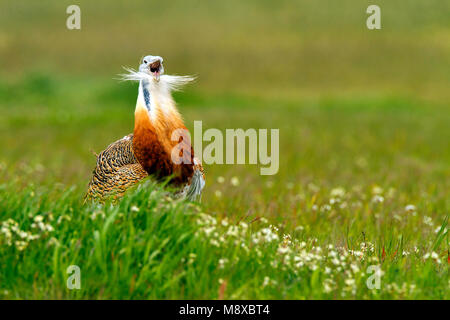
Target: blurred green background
{"type": "Point", "coordinates": [355, 107]}
{"type": "Point", "coordinates": [301, 48]}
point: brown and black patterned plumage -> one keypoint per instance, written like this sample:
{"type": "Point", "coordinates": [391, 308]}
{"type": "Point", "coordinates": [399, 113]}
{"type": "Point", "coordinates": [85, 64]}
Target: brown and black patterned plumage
{"type": "Point", "coordinates": [117, 170]}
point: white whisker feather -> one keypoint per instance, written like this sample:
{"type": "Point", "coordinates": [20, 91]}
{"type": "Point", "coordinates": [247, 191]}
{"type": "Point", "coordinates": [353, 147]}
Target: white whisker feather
{"type": "Point", "coordinates": [172, 82]}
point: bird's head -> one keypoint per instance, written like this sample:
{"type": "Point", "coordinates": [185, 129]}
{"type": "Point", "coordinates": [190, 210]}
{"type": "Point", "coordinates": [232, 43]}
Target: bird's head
{"type": "Point", "coordinates": [152, 65]}
{"type": "Point", "coordinates": [151, 68]}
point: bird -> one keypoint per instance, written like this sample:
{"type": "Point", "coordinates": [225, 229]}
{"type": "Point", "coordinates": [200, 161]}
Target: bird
{"type": "Point", "coordinates": [159, 145]}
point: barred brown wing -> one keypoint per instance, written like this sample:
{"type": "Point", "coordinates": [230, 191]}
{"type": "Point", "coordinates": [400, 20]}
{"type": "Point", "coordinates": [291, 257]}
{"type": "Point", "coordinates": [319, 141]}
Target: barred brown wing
{"type": "Point", "coordinates": [117, 170]}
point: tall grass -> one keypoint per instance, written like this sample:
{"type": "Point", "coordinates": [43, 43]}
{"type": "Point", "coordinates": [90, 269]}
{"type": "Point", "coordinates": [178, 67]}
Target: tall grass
{"type": "Point", "coordinates": [153, 247]}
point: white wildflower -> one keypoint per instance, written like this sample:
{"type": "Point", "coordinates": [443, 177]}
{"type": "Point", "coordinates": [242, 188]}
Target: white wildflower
{"type": "Point", "coordinates": [377, 190]}
{"type": "Point", "coordinates": [377, 199]}
{"type": "Point", "coordinates": [222, 263]}
{"type": "Point", "coordinates": [337, 192]}
{"type": "Point", "coordinates": [283, 250]}
{"type": "Point", "coordinates": [428, 221]}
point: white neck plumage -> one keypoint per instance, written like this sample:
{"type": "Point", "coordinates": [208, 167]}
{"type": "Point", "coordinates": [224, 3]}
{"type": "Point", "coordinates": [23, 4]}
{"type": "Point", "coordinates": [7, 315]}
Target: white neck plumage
{"type": "Point", "coordinates": [155, 95]}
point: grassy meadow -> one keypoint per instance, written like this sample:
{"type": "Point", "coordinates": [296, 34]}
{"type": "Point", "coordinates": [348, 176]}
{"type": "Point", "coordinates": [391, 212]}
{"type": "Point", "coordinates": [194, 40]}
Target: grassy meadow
{"type": "Point", "coordinates": [364, 176]}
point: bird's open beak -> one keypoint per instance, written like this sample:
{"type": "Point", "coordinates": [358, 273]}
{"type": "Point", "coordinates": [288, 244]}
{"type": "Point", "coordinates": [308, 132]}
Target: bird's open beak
{"type": "Point", "coordinates": [155, 69]}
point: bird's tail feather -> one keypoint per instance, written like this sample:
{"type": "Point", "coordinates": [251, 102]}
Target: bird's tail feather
{"type": "Point", "coordinates": [194, 193]}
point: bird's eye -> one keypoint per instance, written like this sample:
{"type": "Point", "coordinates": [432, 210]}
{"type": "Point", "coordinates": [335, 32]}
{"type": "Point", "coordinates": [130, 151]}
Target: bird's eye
{"type": "Point", "coordinates": [145, 61]}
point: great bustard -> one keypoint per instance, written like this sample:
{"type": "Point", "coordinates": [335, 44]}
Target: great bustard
{"type": "Point", "coordinates": [151, 149]}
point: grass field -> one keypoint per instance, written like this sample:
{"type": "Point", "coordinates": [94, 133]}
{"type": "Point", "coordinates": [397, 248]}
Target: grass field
{"type": "Point", "coordinates": [364, 173]}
